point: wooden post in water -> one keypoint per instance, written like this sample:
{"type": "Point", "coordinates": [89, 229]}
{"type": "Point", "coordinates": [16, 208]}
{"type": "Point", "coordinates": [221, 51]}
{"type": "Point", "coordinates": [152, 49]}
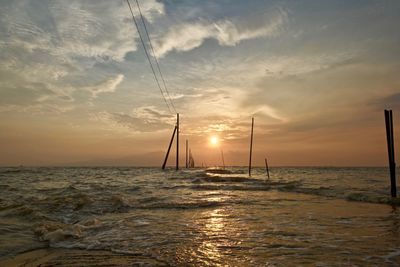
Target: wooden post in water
{"type": "Point", "coordinates": [177, 141]}
{"type": "Point", "coordinates": [186, 158]}
{"type": "Point", "coordinates": [251, 144]}
{"type": "Point", "coordinates": [223, 160]}
{"type": "Point", "coordinates": [169, 148]}
{"type": "Point", "coordinates": [266, 167]}
{"type": "Point", "coordinates": [390, 145]}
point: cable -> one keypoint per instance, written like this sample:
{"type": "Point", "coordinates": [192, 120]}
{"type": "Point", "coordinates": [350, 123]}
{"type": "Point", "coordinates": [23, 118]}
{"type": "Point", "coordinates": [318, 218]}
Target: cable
{"type": "Point", "coordinates": [154, 55]}
{"type": "Point", "coordinates": [148, 57]}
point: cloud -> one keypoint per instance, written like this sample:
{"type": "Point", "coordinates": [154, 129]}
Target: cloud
{"type": "Point", "coordinates": [187, 36]}
{"type": "Point", "coordinates": [101, 29]}
{"type": "Point", "coordinates": [21, 92]}
{"type": "Point", "coordinates": [227, 127]}
{"type": "Point", "coordinates": [143, 119]}
{"type": "Point", "coordinates": [107, 86]}
{"type": "Point", "coordinates": [49, 46]}
{"type": "Point", "coordinates": [268, 111]}
{"type": "Point", "coordinates": [37, 108]}
{"type": "Point", "coordinates": [151, 113]}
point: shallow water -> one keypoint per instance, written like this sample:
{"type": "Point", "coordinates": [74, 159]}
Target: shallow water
{"type": "Point", "coordinates": [301, 216]}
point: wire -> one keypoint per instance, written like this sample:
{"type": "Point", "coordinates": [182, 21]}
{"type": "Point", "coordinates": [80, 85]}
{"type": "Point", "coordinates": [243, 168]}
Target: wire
{"type": "Point", "coordinates": [148, 57]}
{"type": "Point", "coordinates": [154, 55]}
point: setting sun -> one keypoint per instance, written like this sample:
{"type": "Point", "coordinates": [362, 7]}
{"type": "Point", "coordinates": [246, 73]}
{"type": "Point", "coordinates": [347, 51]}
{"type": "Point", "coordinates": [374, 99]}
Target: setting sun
{"type": "Point", "coordinates": [214, 140]}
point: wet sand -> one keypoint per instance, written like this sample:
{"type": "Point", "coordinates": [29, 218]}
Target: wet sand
{"type": "Point", "coordinates": [73, 257]}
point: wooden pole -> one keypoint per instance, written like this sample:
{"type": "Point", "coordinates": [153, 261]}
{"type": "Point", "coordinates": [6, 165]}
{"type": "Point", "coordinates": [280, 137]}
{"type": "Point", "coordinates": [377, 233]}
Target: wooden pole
{"type": "Point", "coordinates": [393, 164]}
{"type": "Point", "coordinates": [186, 158]}
{"type": "Point", "coordinates": [223, 160]}
{"type": "Point", "coordinates": [390, 145]}
{"type": "Point", "coordinates": [177, 141]}
{"type": "Point", "coordinates": [393, 171]}
{"type": "Point", "coordinates": [191, 160]}
{"type": "Point", "coordinates": [266, 167]}
{"type": "Point", "coordinates": [251, 144]}
{"type": "Point", "coordinates": [169, 148]}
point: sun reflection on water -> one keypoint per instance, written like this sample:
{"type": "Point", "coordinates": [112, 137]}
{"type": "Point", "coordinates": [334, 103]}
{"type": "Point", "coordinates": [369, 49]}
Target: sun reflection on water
{"type": "Point", "coordinates": [218, 232]}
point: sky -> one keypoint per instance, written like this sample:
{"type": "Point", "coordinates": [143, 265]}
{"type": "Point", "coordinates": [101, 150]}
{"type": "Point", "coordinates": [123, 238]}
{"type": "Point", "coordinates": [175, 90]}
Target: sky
{"type": "Point", "coordinates": [76, 87]}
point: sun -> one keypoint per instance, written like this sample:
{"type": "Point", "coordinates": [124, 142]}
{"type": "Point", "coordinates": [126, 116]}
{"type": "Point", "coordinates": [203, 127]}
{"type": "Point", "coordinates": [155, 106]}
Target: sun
{"type": "Point", "coordinates": [214, 140]}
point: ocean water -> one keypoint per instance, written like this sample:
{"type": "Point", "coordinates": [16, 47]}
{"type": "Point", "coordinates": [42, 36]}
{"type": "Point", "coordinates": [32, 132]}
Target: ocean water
{"type": "Point", "coordinates": [198, 217]}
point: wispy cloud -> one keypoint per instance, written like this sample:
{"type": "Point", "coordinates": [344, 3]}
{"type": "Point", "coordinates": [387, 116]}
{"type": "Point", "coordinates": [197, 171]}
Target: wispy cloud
{"type": "Point", "coordinates": [74, 28]}
{"type": "Point", "coordinates": [189, 35]}
{"type": "Point", "coordinates": [143, 119]}
{"type": "Point", "coordinates": [37, 108]}
{"type": "Point", "coordinates": [107, 86]}
{"type": "Point", "coordinates": [49, 46]}
{"type": "Point", "coordinates": [151, 114]}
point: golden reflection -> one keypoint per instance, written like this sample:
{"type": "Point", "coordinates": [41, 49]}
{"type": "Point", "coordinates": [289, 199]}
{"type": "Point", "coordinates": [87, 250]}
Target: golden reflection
{"type": "Point", "coordinates": [218, 229]}
{"type": "Point", "coordinates": [216, 221]}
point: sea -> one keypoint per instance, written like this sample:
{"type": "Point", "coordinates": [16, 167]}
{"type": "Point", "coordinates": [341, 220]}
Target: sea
{"type": "Point", "coordinates": [299, 216]}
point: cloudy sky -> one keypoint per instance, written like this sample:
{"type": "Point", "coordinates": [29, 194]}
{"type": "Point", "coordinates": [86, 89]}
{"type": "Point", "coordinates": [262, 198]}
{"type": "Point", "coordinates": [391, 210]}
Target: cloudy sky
{"type": "Point", "coordinates": [76, 87]}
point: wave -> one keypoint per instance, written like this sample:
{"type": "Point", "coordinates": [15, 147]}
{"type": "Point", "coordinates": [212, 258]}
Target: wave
{"type": "Point", "coordinates": [6, 204]}
{"type": "Point", "coordinates": [360, 197]}
{"type": "Point", "coordinates": [240, 183]}
{"type": "Point", "coordinates": [183, 205]}
{"type": "Point", "coordinates": [11, 171]}
{"type": "Point", "coordinates": [120, 201]}
{"type": "Point", "coordinates": [230, 187]}
{"type": "Point", "coordinates": [225, 179]}
{"type": "Point", "coordinates": [55, 231]}
{"type": "Point", "coordinates": [123, 204]}
{"type": "Point", "coordinates": [218, 171]}
{"type": "Point", "coordinates": [4, 186]}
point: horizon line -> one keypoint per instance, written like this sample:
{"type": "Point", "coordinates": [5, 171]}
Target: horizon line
{"type": "Point", "coordinates": [199, 167]}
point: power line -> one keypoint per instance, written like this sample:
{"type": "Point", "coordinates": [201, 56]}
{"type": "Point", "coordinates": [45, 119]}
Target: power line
{"type": "Point", "coordinates": [148, 57]}
{"type": "Point", "coordinates": [154, 55]}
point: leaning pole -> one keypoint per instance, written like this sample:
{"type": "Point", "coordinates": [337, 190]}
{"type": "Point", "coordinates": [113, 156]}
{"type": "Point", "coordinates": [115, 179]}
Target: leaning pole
{"type": "Point", "coordinates": [390, 146]}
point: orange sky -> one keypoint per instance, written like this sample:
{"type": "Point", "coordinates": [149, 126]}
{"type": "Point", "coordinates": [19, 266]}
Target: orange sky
{"type": "Point", "coordinates": [76, 87]}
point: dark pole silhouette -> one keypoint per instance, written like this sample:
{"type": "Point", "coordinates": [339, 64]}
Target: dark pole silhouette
{"type": "Point", "coordinates": [266, 167]}
{"type": "Point", "coordinates": [169, 148]}
{"type": "Point", "coordinates": [223, 160]}
{"type": "Point", "coordinates": [390, 145]}
{"type": "Point", "coordinates": [251, 144]}
{"type": "Point", "coordinates": [186, 159]}
{"type": "Point", "coordinates": [177, 141]}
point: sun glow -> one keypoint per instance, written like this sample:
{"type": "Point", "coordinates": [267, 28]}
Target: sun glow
{"type": "Point", "coordinates": [214, 140]}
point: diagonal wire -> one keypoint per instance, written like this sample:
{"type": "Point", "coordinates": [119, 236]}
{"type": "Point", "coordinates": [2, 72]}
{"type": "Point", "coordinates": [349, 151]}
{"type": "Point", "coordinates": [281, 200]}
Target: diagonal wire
{"type": "Point", "coordinates": [148, 57]}
{"type": "Point", "coordinates": [154, 55]}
